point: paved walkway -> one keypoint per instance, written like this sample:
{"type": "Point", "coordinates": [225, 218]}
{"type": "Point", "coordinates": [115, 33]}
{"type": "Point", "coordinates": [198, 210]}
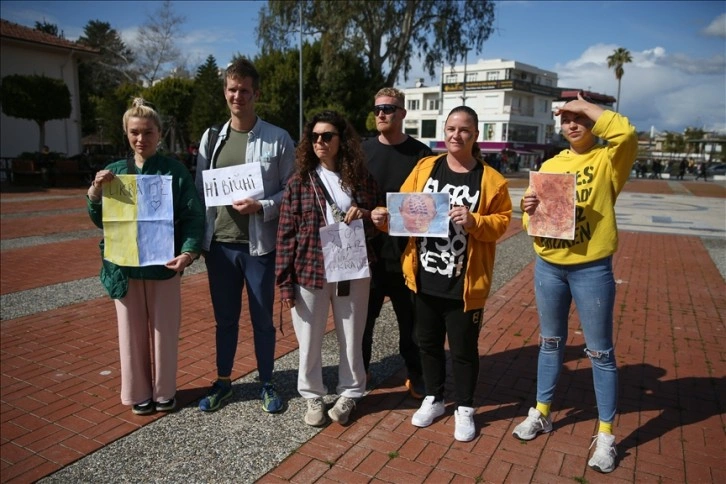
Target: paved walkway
{"type": "Point", "coordinates": [60, 378]}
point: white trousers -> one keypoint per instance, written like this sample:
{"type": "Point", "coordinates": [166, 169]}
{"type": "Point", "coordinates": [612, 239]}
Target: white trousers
{"type": "Point", "coordinates": [310, 316]}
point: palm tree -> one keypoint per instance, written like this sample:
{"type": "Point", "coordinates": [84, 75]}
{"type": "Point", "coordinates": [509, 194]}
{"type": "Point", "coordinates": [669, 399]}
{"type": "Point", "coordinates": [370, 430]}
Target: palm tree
{"type": "Point", "coordinates": [619, 57]}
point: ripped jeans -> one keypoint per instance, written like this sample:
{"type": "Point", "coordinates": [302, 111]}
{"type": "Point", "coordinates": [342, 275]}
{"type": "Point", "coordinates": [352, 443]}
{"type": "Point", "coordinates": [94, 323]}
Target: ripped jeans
{"type": "Point", "coordinates": [592, 286]}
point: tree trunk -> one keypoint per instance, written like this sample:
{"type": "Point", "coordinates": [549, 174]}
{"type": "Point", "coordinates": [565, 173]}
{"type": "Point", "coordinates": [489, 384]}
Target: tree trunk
{"type": "Point", "coordinates": [617, 102]}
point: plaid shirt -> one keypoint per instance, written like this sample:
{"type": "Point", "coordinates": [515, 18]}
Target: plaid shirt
{"type": "Point", "coordinates": [299, 258]}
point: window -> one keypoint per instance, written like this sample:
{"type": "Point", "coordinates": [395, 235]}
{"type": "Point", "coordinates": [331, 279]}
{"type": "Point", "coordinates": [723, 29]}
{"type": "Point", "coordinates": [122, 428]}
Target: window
{"type": "Point", "coordinates": [523, 133]}
{"type": "Point", "coordinates": [411, 131]}
{"type": "Point", "coordinates": [428, 128]}
{"type": "Point", "coordinates": [493, 76]}
{"type": "Point", "coordinates": [432, 104]}
{"type": "Point", "coordinates": [450, 78]}
{"type": "Point", "coordinates": [471, 76]}
{"type": "Point", "coordinates": [488, 131]}
{"type": "Point", "coordinates": [505, 129]}
{"type": "Point", "coordinates": [545, 105]}
{"type": "Point", "coordinates": [414, 105]}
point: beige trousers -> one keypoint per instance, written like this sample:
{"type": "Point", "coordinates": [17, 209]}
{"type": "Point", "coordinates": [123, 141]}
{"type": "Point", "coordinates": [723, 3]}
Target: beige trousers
{"type": "Point", "coordinates": [149, 317]}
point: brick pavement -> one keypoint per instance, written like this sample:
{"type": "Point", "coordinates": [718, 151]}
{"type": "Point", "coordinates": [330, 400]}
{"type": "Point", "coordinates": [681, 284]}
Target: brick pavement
{"type": "Point", "coordinates": [60, 386]}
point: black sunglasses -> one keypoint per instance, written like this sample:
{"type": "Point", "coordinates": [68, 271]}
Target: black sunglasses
{"type": "Point", "coordinates": [327, 136]}
{"type": "Point", "coordinates": [386, 108]}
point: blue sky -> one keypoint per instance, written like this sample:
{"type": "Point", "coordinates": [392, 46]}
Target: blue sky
{"type": "Point", "coordinates": [677, 79]}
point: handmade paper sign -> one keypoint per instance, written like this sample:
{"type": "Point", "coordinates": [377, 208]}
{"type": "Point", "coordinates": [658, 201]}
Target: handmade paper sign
{"type": "Point", "coordinates": [344, 251]}
{"type": "Point", "coordinates": [223, 186]}
{"type": "Point", "coordinates": [138, 220]}
{"type": "Point", "coordinates": [555, 214]}
{"type": "Point", "coordinates": [418, 214]}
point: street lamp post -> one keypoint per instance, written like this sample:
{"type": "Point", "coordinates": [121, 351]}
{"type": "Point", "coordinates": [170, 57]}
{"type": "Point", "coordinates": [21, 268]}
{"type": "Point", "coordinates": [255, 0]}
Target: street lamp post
{"type": "Point", "coordinates": [463, 95]}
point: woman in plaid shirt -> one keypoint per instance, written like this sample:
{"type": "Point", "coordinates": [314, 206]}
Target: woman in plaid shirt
{"type": "Point", "coordinates": [329, 159]}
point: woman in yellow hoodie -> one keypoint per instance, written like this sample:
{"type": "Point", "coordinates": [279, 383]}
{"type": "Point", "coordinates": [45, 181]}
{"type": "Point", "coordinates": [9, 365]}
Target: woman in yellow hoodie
{"type": "Point", "coordinates": [581, 269]}
{"type": "Point", "coordinates": [451, 276]}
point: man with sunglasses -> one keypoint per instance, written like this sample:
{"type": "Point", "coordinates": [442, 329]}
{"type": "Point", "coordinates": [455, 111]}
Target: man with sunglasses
{"type": "Point", "coordinates": [391, 156]}
{"type": "Point", "coordinates": [239, 239]}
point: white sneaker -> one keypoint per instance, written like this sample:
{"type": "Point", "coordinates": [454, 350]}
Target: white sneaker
{"type": "Point", "coordinates": [315, 416]}
{"type": "Point", "coordinates": [603, 460]}
{"type": "Point", "coordinates": [534, 424]}
{"type": "Point", "coordinates": [341, 410]}
{"type": "Point", "coordinates": [429, 410]}
{"type": "Point", "coordinates": [464, 430]}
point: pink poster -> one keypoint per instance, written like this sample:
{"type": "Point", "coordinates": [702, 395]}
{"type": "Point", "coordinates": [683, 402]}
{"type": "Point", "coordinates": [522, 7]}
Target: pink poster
{"type": "Point", "coordinates": [555, 214]}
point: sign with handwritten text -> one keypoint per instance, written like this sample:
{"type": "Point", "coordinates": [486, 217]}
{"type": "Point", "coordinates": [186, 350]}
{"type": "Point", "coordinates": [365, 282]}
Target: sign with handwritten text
{"type": "Point", "coordinates": [138, 220]}
{"type": "Point", "coordinates": [223, 186]}
{"type": "Point", "coordinates": [344, 251]}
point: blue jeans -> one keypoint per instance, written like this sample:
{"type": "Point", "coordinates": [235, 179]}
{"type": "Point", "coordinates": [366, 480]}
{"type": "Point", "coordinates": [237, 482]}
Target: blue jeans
{"type": "Point", "coordinates": [592, 286]}
{"type": "Point", "coordinates": [229, 267]}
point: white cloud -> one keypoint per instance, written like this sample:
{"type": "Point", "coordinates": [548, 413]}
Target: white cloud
{"type": "Point", "coordinates": [717, 28]}
{"type": "Point", "coordinates": [668, 91]}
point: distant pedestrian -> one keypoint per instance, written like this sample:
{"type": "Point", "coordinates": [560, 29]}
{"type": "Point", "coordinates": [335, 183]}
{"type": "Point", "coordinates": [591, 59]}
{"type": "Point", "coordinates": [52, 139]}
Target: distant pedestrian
{"type": "Point", "coordinates": [682, 169]}
{"type": "Point", "coordinates": [582, 269]}
{"type": "Point", "coordinates": [148, 299]}
{"type": "Point", "coordinates": [702, 171]}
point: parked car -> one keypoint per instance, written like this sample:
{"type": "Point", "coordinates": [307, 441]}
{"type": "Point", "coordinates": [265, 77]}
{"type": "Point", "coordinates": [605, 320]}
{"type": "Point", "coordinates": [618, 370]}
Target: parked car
{"type": "Point", "coordinates": [719, 169]}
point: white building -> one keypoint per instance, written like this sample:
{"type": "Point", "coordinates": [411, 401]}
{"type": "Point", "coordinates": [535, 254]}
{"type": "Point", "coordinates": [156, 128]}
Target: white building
{"type": "Point", "coordinates": [513, 101]}
{"type": "Point", "coordinates": [27, 51]}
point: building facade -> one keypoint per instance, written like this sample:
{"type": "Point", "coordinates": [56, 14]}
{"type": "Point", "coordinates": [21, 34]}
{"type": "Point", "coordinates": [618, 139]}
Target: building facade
{"type": "Point", "coordinates": [513, 101]}
{"type": "Point", "coordinates": [27, 51]}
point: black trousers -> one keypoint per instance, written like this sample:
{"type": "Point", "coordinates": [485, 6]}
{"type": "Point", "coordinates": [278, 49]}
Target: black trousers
{"type": "Point", "coordinates": [387, 283]}
{"type": "Point", "coordinates": [438, 318]}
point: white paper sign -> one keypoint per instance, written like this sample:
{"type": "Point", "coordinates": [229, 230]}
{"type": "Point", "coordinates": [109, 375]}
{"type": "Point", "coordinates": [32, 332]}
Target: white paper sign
{"type": "Point", "coordinates": [223, 186]}
{"type": "Point", "coordinates": [344, 251]}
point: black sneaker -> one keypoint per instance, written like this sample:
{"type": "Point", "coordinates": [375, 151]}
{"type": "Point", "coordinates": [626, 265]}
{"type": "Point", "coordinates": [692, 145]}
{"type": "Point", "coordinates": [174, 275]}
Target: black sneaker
{"type": "Point", "coordinates": [144, 408]}
{"type": "Point", "coordinates": [166, 406]}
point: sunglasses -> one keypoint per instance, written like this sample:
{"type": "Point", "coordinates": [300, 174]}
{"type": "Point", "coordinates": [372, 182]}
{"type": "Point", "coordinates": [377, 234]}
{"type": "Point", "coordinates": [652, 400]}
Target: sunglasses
{"type": "Point", "coordinates": [326, 137]}
{"type": "Point", "coordinates": [386, 108]}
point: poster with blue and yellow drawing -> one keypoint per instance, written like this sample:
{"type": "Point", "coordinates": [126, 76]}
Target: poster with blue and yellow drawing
{"type": "Point", "coordinates": [138, 220]}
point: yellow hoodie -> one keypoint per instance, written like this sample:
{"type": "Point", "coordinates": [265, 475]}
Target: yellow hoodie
{"type": "Point", "coordinates": [491, 221]}
{"type": "Point", "coordinates": [601, 175]}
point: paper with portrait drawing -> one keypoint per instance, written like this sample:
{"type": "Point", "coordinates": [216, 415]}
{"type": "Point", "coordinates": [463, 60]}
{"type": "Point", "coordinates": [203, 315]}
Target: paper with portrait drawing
{"type": "Point", "coordinates": [555, 214]}
{"type": "Point", "coordinates": [418, 214]}
{"type": "Point", "coordinates": [344, 251]}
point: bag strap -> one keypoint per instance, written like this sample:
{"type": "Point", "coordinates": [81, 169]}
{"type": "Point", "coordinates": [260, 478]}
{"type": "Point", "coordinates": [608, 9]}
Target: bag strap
{"type": "Point", "coordinates": [212, 137]}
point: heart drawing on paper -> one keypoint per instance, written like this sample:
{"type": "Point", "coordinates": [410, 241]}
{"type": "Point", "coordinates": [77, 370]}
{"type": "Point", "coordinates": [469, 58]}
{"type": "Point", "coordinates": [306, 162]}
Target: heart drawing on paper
{"type": "Point", "coordinates": [156, 204]}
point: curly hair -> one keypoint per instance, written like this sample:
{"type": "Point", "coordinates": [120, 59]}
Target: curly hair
{"type": "Point", "coordinates": [350, 162]}
{"type": "Point", "coordinates": [141, 109]}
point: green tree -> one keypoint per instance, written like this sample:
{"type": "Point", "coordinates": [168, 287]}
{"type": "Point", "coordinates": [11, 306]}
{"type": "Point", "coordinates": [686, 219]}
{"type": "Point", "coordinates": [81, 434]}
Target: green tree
{"type": "Point", "coordinates": [386, 33]}
{"type": "Point", "coordinates": [208, 105]}
{"type": "Point", "coordinates": [36, 98]}
{"type": "Point", "coordinates": [172, 98]}
{"type": "Point", "coordinates": [48, 28]}
{"type": "Point", "coordinates": [691, 135]}
{"type": "Point", "coordinates": [156, 43]}
{"type": "Point", "coordinates": [346, 89]}
{"type": "Point", "coordinates": [111, 108]}
{"type": "Point", "coordinates": [99, 75]}
{"type": "Point", "coordinates": [616, 61]}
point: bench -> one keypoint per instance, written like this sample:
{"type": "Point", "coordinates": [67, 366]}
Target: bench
{"type": "Point", "coordinates": [62, 172]}
{"type": "Point", "coordinates": [24, 171]}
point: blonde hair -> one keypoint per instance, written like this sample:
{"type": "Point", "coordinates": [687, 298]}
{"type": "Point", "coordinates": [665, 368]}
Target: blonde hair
{"type": "Point", "coordinates": [141, 109]}
{"type": "Point", "coordinates": [392, 92]}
